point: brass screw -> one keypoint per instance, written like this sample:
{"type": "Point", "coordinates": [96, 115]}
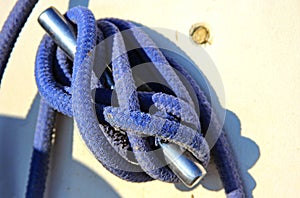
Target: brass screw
{"type": "Point", "coordinates": [200, 33]}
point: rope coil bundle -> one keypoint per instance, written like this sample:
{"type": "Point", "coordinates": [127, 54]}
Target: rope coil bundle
{"type": "Point", "coordinates": [76, 100]}
{"type": "Point", "coordinates": [122, 136]}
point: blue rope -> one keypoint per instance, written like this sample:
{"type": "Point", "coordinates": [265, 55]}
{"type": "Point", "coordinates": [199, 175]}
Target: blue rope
{"type": "Point", "coordinates": [12, 28]}
{"type": "Point", "coordinates": [120, 133]}
{"type": "Point", "coordinates": [41, 152]}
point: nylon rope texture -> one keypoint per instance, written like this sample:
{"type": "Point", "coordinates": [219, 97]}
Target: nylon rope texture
{"type": "Point", "coordinates": [114, 131]}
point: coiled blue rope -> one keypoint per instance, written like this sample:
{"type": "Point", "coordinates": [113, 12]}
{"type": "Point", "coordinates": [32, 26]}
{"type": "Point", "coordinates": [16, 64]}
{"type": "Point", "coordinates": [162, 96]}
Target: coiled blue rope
{"type": "Point", "coordinates": [67, 88]}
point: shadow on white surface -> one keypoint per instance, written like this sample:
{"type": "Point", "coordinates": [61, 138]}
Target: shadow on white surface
{"type": "Point", "coordinates": [70, 178]}
{"type": "Point", "coordinates": [16, 141]}
{"type": "Point", "coordinates": [67, 177]}
{"type": "Point", "coordinates": [73, 3]}
{"type": "Point", "coordinates": [246, 152]}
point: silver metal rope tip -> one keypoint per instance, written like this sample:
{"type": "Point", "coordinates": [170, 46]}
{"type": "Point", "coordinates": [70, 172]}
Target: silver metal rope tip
{"type": "Point", "coordinates": [59, 29]}
{"type": "Point", "coordinates": [189, 172]}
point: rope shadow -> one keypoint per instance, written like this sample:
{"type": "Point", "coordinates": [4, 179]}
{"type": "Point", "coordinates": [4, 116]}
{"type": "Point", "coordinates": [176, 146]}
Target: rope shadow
{"type": "Point", "coordinates": [78, 180]}
{"type": "Point", "coordinates": [246, 153]}
{"type": "Point", "coordinates": [66, 175]}
{"type": "Point", "coordinates": [74, 3]}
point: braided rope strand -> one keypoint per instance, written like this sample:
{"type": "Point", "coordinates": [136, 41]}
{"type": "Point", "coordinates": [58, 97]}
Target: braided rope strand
{"type": "Point", "coordinates": [12, 28]}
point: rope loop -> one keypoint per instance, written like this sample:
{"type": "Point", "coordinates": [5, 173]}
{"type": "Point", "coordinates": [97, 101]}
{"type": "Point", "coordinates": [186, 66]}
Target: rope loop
{"type": "Point", "coordinates": [122, 133]}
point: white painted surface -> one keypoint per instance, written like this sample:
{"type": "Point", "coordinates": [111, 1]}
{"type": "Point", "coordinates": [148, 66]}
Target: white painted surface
{"type": "Point", "coordinates": [255, 47]}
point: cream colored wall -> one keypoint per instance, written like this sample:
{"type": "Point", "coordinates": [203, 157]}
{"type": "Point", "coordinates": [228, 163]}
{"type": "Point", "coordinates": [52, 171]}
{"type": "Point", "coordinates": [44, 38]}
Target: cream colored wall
{"type": "Point", "coordinates": [255, 47]}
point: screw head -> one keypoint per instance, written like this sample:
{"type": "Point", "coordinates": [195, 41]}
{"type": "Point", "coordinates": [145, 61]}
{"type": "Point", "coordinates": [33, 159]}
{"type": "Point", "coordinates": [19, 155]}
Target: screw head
{"type": "Point", "coordinates": [200, 33]}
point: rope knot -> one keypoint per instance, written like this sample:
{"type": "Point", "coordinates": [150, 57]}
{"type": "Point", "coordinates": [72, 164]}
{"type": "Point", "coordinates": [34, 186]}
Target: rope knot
{"type": "Point", "coordinates": [120, 126]}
